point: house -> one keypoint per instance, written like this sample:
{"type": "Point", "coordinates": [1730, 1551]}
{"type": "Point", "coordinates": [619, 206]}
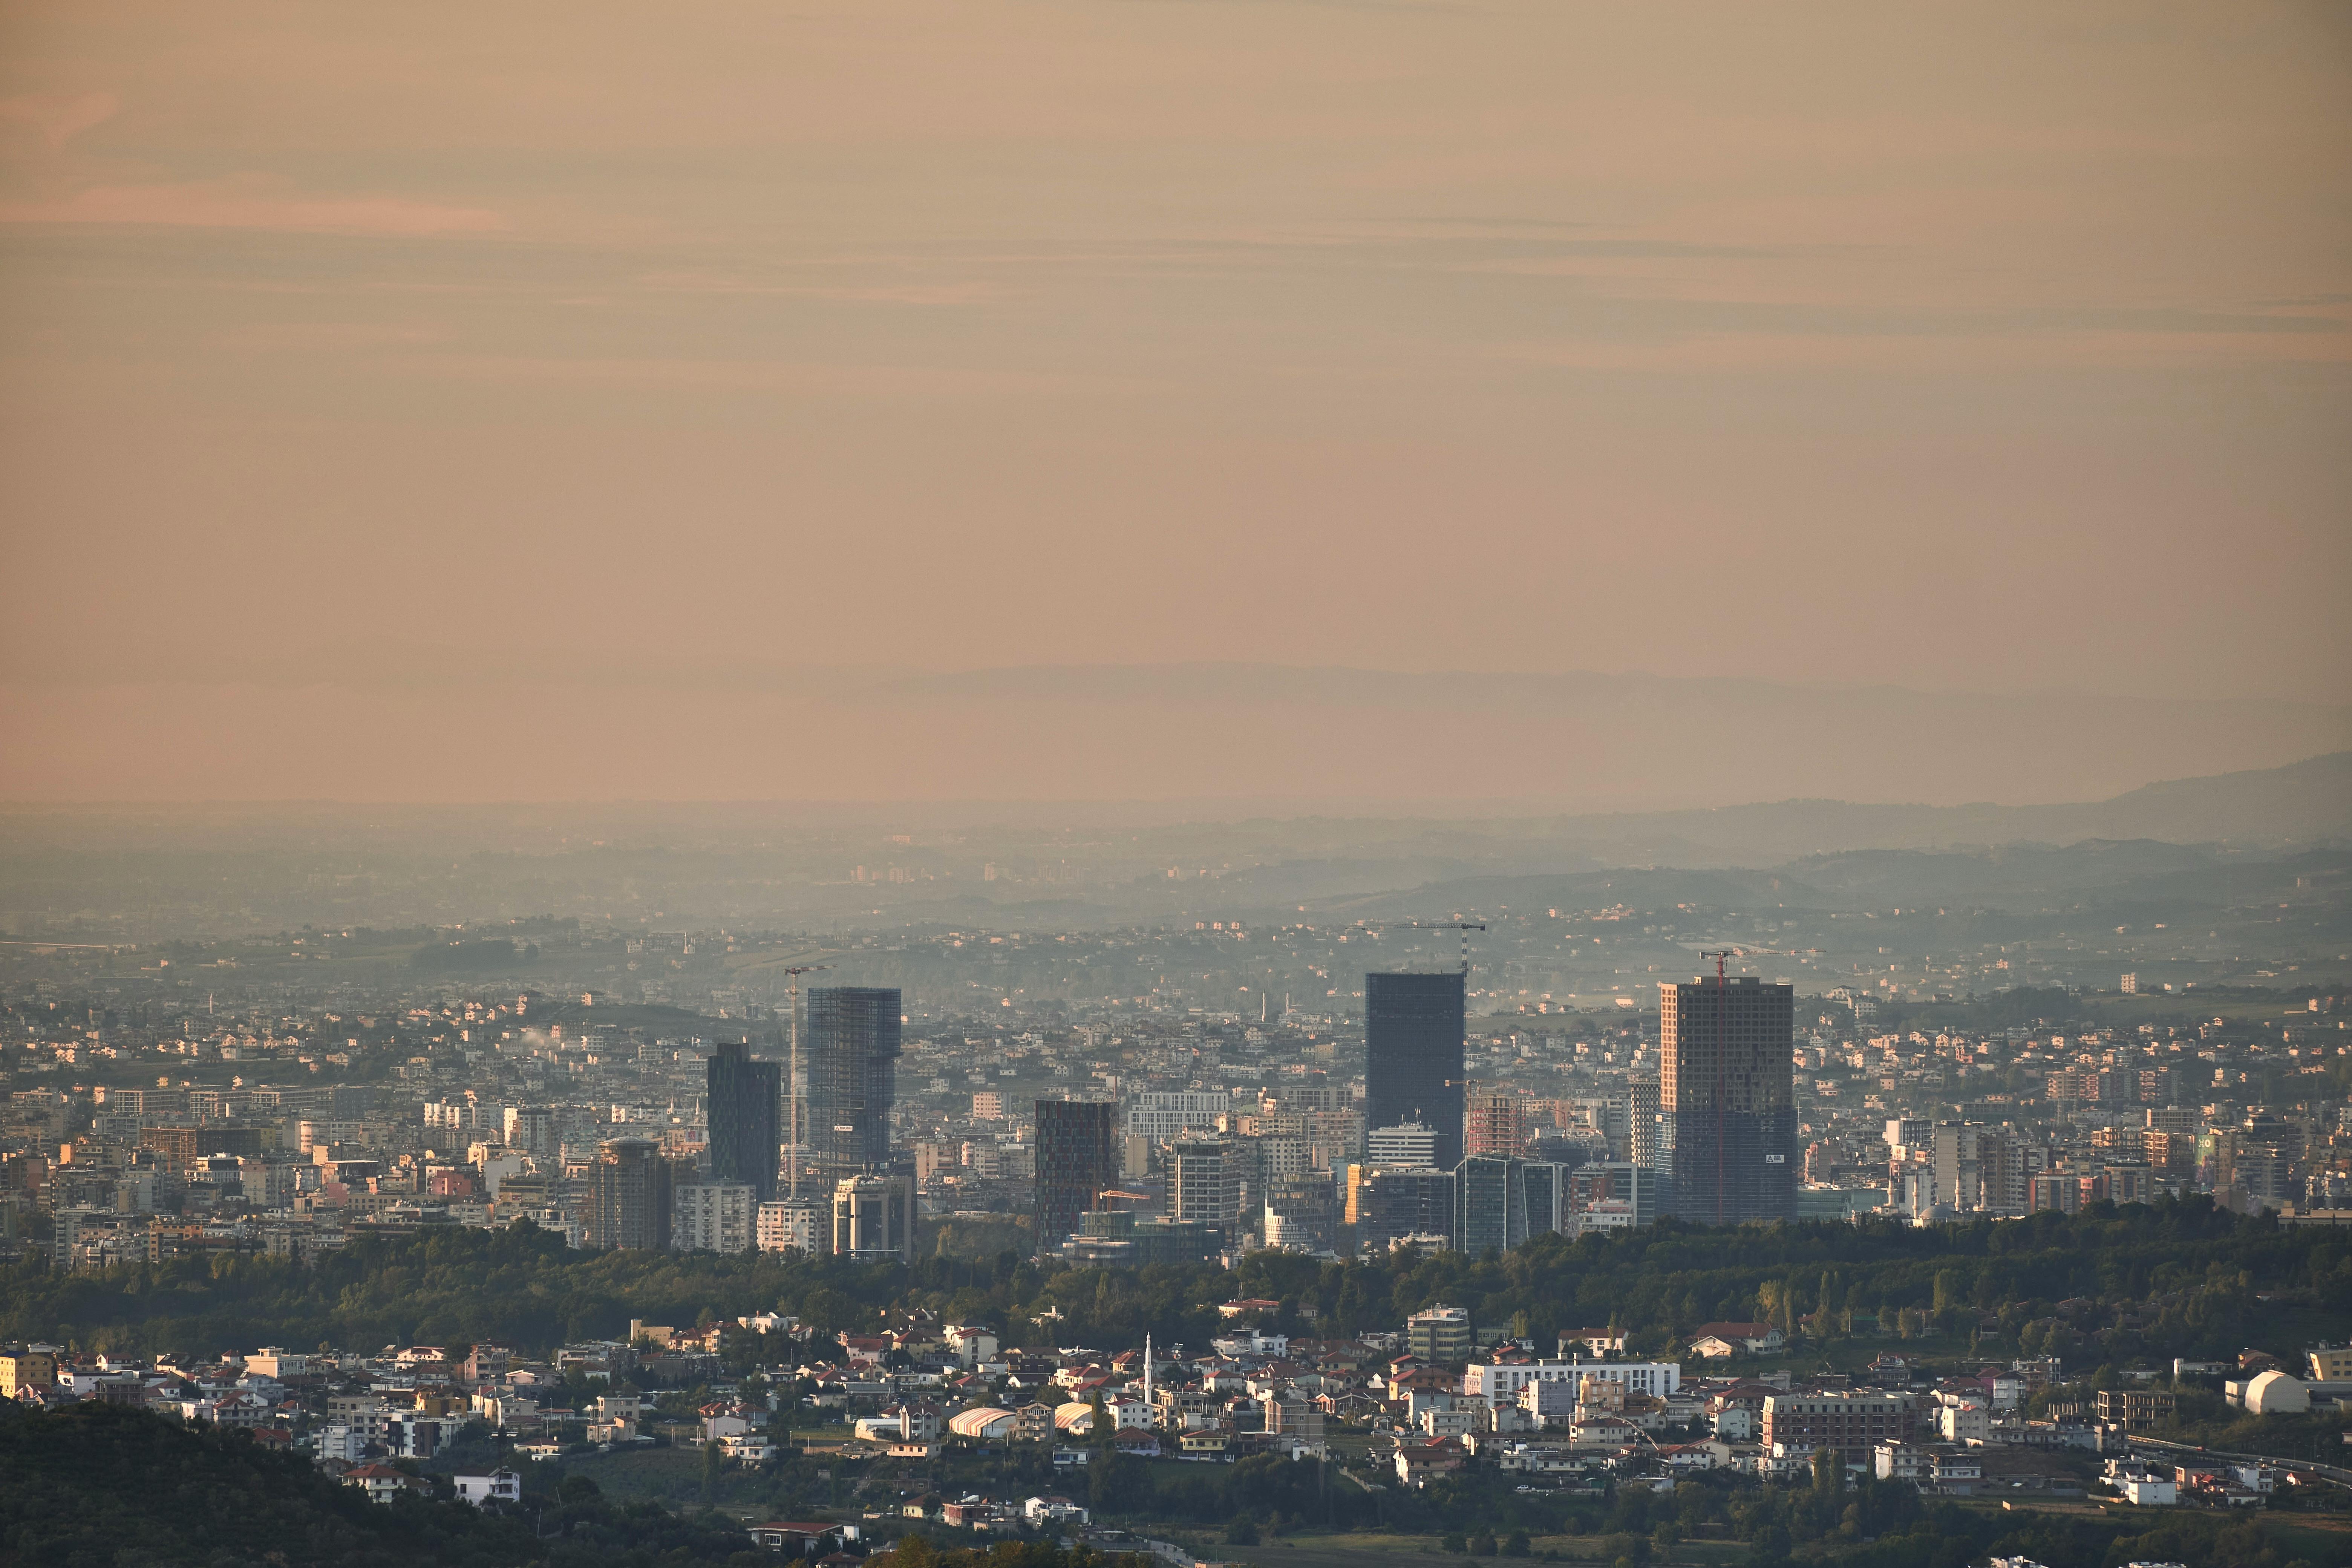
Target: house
{"type": "Point", "coordinates": [801, 1540]}
{"type": "Point", "coordinates": [1606, 1433]}
{"type": "Point", "coordinates": [723, 1419]}
{"type": "Point", "coordinates": [499, 1486]}
{"type": "Point", "coordinates": [1205, 1442]}
{"type": "Point", "coordinates": [1756, 1339]}
{"type": "Point", "coordinates": [2143, 1484]}
{"type": "Point", "coordinates": [381, 1482]}
{"type": "Point", "coordinates": [1417, 1462]}
{"type": "Point", "coordinates": [1450, 1422]}
{"type": "Point", "coordinates": [1539, 1459]}
{"type": "Point", "coordinates": [1053, 1508]}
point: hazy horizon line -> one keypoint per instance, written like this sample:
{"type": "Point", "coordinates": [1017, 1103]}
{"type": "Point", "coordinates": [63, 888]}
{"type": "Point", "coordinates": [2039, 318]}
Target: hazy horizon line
{"type": "Point", "coordinates": [1492, 807]}
{"type": "Point", "coordinates": [447, 665]}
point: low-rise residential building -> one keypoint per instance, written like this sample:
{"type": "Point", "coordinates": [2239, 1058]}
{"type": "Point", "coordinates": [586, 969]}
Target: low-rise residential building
{"type": "Point", "coordinates": [1854, 1424]}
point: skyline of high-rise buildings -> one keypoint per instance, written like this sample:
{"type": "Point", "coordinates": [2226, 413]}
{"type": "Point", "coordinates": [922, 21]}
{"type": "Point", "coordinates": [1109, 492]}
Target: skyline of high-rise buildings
{"type": "Point", "coordinates": [1709, 1138]}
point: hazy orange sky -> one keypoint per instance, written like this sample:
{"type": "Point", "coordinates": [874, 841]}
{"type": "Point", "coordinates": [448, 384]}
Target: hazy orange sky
{"type": "Point", "coordinates": [366, 370]}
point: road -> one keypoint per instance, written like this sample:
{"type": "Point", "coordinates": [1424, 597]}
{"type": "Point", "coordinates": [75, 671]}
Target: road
{"type": "Point", "coordinates": [2335, 1473]}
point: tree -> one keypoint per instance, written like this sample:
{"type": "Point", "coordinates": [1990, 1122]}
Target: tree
{"type": "Point", "coordinates": [1829, 1473]}
{"type": "Point", "coordinates": [1116, 1482]}
{"type": "Point", "coordinates": [1241, 1531]}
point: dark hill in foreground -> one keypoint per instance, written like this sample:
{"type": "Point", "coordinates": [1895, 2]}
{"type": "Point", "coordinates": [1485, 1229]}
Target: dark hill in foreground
{"type": "Point", "coordinates": [100, 1486]}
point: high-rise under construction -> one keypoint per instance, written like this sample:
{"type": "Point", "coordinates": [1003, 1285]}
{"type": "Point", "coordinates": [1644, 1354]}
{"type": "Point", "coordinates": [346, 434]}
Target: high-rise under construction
{"type": "Point", "coordinates": [1726, 1103]}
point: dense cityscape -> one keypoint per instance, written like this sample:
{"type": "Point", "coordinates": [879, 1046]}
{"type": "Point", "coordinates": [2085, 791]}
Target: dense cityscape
{"type": "Point", "coordinates": [1260, 783]}
{"type": "Point", "coordinates": [1250, 1113]}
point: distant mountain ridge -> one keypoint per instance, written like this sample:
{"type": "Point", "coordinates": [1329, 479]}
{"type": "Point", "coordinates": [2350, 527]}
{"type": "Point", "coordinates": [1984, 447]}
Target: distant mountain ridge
{"type": "Point", "coordinates": [2309, 802]}
{"type": "Point", "coordinates": [1435, 742]}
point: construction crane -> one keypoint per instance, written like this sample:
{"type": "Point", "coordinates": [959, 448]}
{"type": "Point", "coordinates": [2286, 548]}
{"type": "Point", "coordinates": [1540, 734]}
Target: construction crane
{"type": "Point", "coordinates": [1721, 1004]}
{"type": "Point", "coordinates": [792, 1091]}
{"type": "Point", "coordinates": [1464, 927]}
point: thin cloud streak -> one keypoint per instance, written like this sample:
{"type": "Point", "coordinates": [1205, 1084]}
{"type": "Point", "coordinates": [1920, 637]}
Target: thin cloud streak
{"type": "Point", "coordinates": [251, 202]}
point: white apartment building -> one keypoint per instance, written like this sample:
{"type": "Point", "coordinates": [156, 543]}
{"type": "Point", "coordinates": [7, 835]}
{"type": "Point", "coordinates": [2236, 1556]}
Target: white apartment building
{"type": "Point", "coordinates": [714, 1216]}
{"type": "Point", "coordinates": [792, 1225]}
{"type": "Point", "coordinates": [1408, 1144]}
{"type": "Point", "coordinates": [1501, 1384]}
{"type": "Point", "coordinates": [1163, 1115]}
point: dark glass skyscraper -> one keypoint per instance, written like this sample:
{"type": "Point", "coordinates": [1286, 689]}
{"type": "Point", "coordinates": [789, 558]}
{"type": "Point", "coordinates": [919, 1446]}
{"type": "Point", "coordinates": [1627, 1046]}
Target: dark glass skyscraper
{"type": "Point", "coordinates": [1412, 1056]}
{"type": "Point", "coordinates": [1500, 1201]}
{"type": "Point", "coordinates": [1077, 1158]}
{"type": "Point", "coordinates": [1727, 1102]}
{"type": "Point", "coordinates": [743, 1105]}
{"type": "Point", "coordinates": [853, 1077]}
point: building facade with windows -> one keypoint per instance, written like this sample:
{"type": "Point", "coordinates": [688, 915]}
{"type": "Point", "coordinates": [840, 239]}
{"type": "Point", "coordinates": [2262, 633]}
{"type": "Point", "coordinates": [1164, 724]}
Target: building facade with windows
{"type": "Point", "coordinates": [1078, 1160]}
{"type": "Point", "coordinates": [1412, 1056]}
{"type": "Point", "coordinates": [1726, 1100]}
{"type": "Point", "coordinates": [852, 1070]}
{"type": "Point", "coordinates": [714, 1216]}
{"type": "Point", "coordinates": [629, 1195]}
{"type": "Point", "coordinates": [743, 1108]}
{"type": "Point", "coordinates": [1852, 1424]}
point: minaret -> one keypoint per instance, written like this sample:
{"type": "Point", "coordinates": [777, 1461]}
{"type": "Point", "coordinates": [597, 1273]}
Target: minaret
{"type": "Point", "coordinates": [1147, 1378]}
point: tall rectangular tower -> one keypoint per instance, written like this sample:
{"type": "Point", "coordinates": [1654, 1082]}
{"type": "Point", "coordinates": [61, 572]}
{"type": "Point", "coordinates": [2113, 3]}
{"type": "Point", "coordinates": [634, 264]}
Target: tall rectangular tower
{"type": "Point", "coordinates": [1077, 1158]}
{"type": "Point", "coordinates": [1202, 1183]}
{"type": "Point", "coordinates": [1726, 1101]}
{"type": "Point", "coordinates": [629, 1195]}
{"type": "Point", "coordinates": [1412, 1056]}
{"type": "Point", "coordinates": [853, 1077]}
{"type": "Point", "coordinates": [743, 1107]}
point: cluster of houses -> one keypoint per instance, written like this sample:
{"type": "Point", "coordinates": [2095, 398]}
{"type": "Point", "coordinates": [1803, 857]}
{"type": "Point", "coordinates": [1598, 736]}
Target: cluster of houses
{"type": "Point", "coordinates": [1435, 1397]}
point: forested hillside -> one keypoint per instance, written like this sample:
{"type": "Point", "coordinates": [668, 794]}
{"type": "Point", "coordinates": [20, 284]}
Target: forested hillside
{"type": "Point", "coordinates": [2181, 1277]}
